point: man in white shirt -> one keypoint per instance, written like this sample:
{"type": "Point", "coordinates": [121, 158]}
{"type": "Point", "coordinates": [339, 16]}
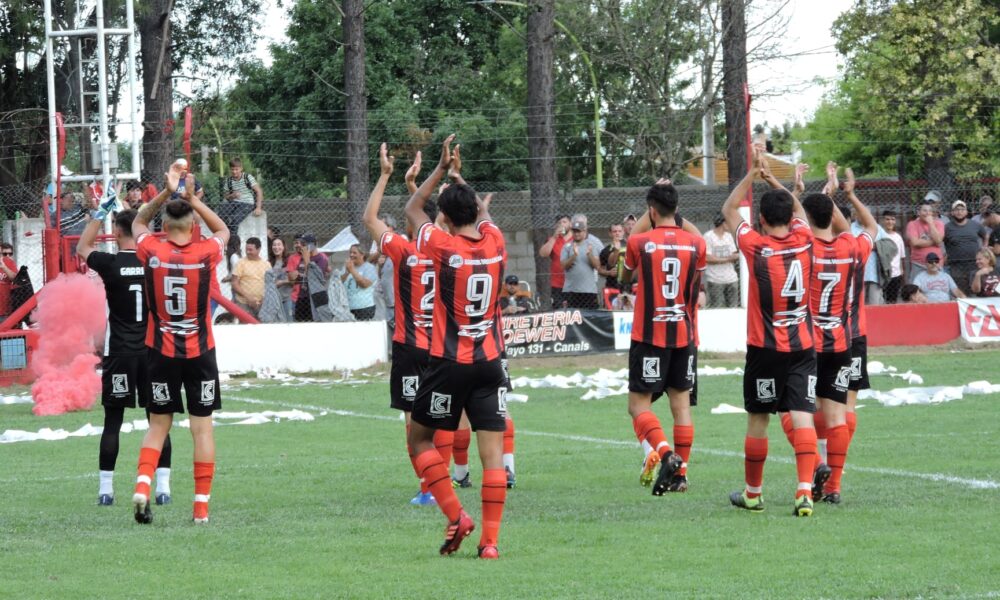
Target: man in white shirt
{"type": "Point", "coordinates": [721, 280]}
{"type": "Point", "coordinates": [897, 273]}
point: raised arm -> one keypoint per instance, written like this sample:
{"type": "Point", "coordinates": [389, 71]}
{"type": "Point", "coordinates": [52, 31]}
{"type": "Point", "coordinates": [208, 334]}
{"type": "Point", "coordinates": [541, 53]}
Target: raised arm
{"type": "Point", "coordinates": [411, 174]}
{"type": "Point", "coordinates": [800, 185]}
{"type": "Point", "coordinates": [258, 193]}
{"type": "Point", "coordinates": [865, 216]}
{"type": "Point", "coordinates": [415, 205]}
{"type": "Point", "coordinates": [150, 209]}
{"type": "Point", "coordinates": [765, 171]}
{"type": "Point", "coordinates": [831, 185]}
{"type": "Point", "coordinates": [88, 239]}
{"type": "Point", "coordinates": [376, 227]}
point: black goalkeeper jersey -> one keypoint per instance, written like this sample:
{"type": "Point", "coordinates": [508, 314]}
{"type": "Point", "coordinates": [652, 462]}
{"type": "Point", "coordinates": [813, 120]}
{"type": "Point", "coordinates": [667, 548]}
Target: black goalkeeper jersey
{"type": "Point", "coordinates": [125, 287]}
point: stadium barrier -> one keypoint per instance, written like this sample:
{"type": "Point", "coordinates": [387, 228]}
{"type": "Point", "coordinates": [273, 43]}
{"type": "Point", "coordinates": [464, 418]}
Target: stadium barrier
{"type": "Point", "coordinates": [301, 347]}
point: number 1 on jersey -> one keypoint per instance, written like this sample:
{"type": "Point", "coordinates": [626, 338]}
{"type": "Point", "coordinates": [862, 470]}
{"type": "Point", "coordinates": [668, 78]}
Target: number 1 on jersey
{"type": "Point", "coordinates": [137, 288]}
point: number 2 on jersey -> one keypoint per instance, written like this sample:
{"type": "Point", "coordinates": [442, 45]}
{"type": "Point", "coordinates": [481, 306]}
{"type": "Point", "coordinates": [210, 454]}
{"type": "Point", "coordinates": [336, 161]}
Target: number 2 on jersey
{"type": "Point", "coordinates": [427, 301]}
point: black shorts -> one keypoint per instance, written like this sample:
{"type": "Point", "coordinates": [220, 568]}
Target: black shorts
{"type": "Point", "coordinates": [448, 388]}
{"type": "Point", "coordinates": [776, 382]}
{"type": "Point", "coordinates": [833, 375]}
{"type": "Point", "coordinates": [198, 376]}
{"type": "Point", "coordinates": [123, 378]}
{"type": "Point", "coordinates": [651, 369]}
{"type": "Point", "coordinates": [408, 365]}
{"type": "Point", "coordinates": [859, 364]}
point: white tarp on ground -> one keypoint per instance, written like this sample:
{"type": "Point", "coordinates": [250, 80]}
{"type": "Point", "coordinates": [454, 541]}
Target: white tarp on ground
{"type": "Point", "coordinates": [929, 395]}
{"type": "Point", "coordinates": [604, 383]}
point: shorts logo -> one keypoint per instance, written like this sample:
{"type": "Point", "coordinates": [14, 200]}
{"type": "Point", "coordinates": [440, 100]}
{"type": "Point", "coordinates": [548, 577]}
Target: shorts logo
{"type": "Point", "coordinates": [765, 390]}
{"type": "Point", "coordinates": [440, 404]}
{"type": "Point", "coordinates": [411, 260]}
{"type": "Point", "coordinates": [650, 247]}
{"type": "Point", "coordinates": [455, 261]}
{"type": "Point", "coordinates": [161, 393]}
{"type": "Point", "coordinates": [811, 389]}
{"type": "Point", "coordinates": [650, 367]}
{"type": "Point", "coordinates": [410, 385]}
{"type": "Point", "coordinates": [856, 367]}
{"type": "Point", "coordinates": [691, 373]}
{"type": "Point", "coordinates": [843, 378]}
{"type": "Point", "coordinates": [119, 384]}
{"type": "Point", "coordinates": [501, 401]}
{"type": "Point", "coordinates": [208, 393]}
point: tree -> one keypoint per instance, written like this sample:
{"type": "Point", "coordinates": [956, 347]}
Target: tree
{"type": "Point", "coordinates": [734, 65]}
{"type": "Point", "coordinates": [541, 133]}
{"type": "Point", "coordinates": [920, 81]}
{"type": "Point", "coordinates": [357, 125]}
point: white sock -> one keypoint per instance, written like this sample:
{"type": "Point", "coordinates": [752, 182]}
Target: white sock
{"type": "Point", "coordinates": [822, 449]}
{"type": "Point", "coordinates": [460, 471]}
{"type": "Point", "coordinates": [106, 486]}
{"type": "Point", "coordinates": [646, 448]}
{"type": "Point", "coordinates": [508, 461]}
{"type": "Point", "coordinates": [163, 481]}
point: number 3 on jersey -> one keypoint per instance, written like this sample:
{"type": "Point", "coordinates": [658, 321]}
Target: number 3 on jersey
{"type": "Point", "coordinates": [176, 295]}
{"type": "Point", "coordinates": [671, 273]}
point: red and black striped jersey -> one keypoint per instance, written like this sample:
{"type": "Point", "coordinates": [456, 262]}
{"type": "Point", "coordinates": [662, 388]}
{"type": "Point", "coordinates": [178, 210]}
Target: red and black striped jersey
{"type": "Point", "coordinates": [859, 322]}
{"type": "Point", "coordinates": [833, 269]}
{"type": "Point", "coordinates": [413, 280]}
{"type": "Point", "coordinates": [778, 304]}
{"type": "Point", "coordinates": [469, 272]}
{"type": "Point", "coordinates": [669, 262]}
{"type": "Point", "coordinates": [178, 281]}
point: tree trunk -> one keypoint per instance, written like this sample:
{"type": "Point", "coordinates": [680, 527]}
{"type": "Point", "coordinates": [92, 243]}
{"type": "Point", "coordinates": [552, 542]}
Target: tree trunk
{"type": "Point", "coordinates": [158, 113]}
{"type": "Point", "coordinates": [357, 117]}
{"type": "Point", "coordinates": [734, 80]}
{"type": "Point", "coordinates": [541, 135]}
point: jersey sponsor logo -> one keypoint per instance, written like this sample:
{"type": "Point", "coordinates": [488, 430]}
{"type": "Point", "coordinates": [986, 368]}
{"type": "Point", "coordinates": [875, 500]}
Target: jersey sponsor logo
{"type": "Point", "coordinates": [161, 393]}
{"type": "Point", "coordinates": [185, 328]}
{"type": "Point", "coordinates": [208, 393]}
{"type": "Point", "coordinates": [131, 271]}
{"type": "Point", "coordinates": [410, 384]}
{"type": "Point", "coordinates": [650, 367]}
{"type": "Point", "coordinates": [670, 314]}
{"type": "Point", "coordinates": [501, 401]}
{"type": "Point", "coordinates": [811, 389]}
{"type": "Point", "coordinates": [791, 318]}
{"type": "Point", "coordinates": [455, 261]}
{"type": "Point", "coordinates": [476, 330]}
{"type": "Point", "coordinates": [765, 390]}
{"type": "Point", "coordinates": [650, 247]}
{"type": "Point", "coordinates": [843, 379]}
{"type": "Point", "coordinates": [440, 404]}
{"type": "Point", "coordinates": [412, 260]}
{"type": "Point", "coordinates": [388, 238]}
{"type": "Point", "coordinates": [766, 252]}
{"type": "Point", "coordinates": [119, 384]}
{"type": "Point", "coordinates": [827, 322]}
{"type": "Point", "coordinates": [154, 262]}
{"type": "Point", "coordinates": [856, 368]}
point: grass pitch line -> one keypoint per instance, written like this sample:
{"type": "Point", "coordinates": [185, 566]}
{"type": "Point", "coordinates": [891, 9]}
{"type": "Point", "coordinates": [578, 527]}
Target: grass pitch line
{"type": "Point", "coordinates": [976, 484]}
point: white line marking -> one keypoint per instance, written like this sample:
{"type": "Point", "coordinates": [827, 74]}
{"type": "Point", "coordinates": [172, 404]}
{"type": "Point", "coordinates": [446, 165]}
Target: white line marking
{"type": "Point", "coordinates": [976, 484]}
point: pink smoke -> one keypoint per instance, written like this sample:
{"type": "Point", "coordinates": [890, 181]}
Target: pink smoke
{"type": "Point", "coordinates": [71, 322]}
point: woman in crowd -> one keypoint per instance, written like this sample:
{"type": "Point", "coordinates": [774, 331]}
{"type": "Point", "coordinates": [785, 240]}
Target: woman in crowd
{"type": "Point", "coordinates": [986, 279]}
{"type": "Point", "coordinates": [279, 262]}
{"type": "Point", "coordinates": [359, 278]}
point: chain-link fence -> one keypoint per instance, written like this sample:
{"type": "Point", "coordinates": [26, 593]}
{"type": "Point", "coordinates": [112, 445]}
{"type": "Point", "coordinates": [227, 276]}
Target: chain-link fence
{"type": "Point", "coordinates": [294, 207]}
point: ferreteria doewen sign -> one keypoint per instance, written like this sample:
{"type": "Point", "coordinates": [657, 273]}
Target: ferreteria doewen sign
{"type": "Point", "coordinates": [559, 332]}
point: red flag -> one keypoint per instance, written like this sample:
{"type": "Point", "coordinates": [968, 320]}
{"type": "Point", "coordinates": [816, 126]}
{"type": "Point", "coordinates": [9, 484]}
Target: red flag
{"type": "Point", "coordinates": [188, 127]}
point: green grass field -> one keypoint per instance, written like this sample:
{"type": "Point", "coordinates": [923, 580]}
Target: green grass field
{"type": "Point", "coordinates": [320, 509]}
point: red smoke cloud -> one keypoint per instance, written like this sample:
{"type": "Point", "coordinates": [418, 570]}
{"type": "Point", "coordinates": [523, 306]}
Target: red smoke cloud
{"type": "Point", "coordinates": [71, 322]}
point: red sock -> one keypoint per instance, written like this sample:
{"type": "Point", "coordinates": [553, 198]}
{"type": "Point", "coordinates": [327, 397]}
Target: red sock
{"type": "Point", "coordinates": [852, 423]}
{"type": "Point", "coordinates": [683, 438]}
{"type": "Point", "coordinates": [413, 461]}
{"type": "Point", "coordinates": [822, 433]}
{"type": "Point", "coordinates": [494, 493]}
{"type": "Point", "coordinates": [755, 454]}
{"type": "Point", "coordinates": [805, 458]}
{"type": "Point", "coordinates": [460, 447]}
{"type": "Point", "coordinates": [649, 429]}
{"type": "Point", "coordinates": [148, 458]}
{"type": "Point", "coordinates": [443, 442]}
{"type": "Point", "coordinates": [508, 437]}
{"type": "Point", "coordinates": [836, 452]}
{"type": "Point", "coordinates": [786, 426]}
{"type": "Point", "coordinates": [431, 469]}
{"type": "Point", "coordinates": [203, 473]}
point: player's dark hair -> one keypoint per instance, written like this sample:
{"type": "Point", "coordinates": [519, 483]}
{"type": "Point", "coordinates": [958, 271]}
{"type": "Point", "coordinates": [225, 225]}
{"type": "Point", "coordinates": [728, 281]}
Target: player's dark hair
{"type": "Point", "coordinates": [663, 198]}
{"type": "Point", "coordinates": [776, 207]}
{"type": "Point", "coordinates": [431, 210]}
{"type": "Point", "coordinates": [177, 212]}
{"type": "Point", "coordinates": [819, 209]}
{"type": "Point", "coordinates": [458, 203]}
{"type": "Point", "coordinates": [254, 241]}
{"type": "Point", "coordinates": [123, 221]}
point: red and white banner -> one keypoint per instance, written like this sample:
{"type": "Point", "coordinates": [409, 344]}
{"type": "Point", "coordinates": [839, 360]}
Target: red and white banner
{"type": "Point", "coordinates": [980, 319]}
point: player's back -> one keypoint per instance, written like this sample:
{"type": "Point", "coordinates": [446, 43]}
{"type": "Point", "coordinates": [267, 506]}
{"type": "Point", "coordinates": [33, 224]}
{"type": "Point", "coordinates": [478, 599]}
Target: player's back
{"type": "Point", "coordinates": [467, 327]}
{"type": "Point", "coordinates": [124, 286]}
{"type": "Point", "coordinates": [179, 280]}
{"type": "Point", "coordinates": [669, 262]}
{"type": "Point", "coordinates": [830, 292]}
{"type": "Point", "coordinates": [413, 280]}
{"type": "Point", "coordinates": [778, 304]}
{"type": "Point", "coordinates": [859, 322]}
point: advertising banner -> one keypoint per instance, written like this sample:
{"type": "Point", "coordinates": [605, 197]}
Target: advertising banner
{"type": "Point", "coordinates": [979, 319]}
{"type": "Point", "coordinates": [561, 332]}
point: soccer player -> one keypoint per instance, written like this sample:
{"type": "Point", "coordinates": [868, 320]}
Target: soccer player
{"type": "Point", "coordinates": [465, 371]}
{"type": "Point", "coordinates": [836, 256]}
{"type": "Point", "coordinates": [669, 261]}
{"type": "Point", "coordinates": [780, 373]}
{"type": "Point", "coordinates": [124, 372]}
{"type": "Point", "coordinates": [179, 272]}
{"type": "Point", "coordinates": [413, 285]}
